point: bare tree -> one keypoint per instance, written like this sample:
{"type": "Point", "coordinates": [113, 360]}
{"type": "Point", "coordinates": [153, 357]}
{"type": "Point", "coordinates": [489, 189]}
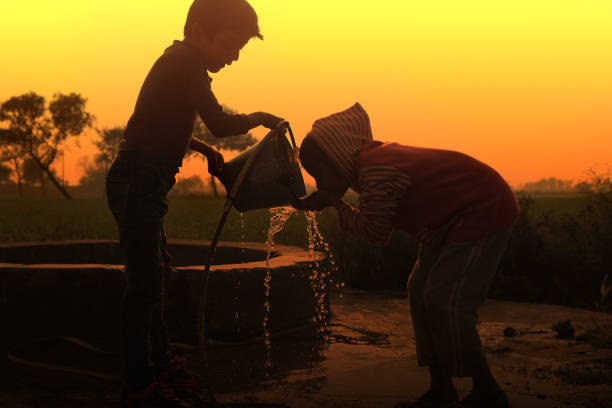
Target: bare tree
{"type": "Point", "coordinates": [37, 131]}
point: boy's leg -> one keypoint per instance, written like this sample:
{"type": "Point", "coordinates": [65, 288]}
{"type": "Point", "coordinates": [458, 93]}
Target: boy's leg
{"type": "Point", "coordinates": [456, 286]}
{"type": "Point", "coordinates": [416, 290]}
{"type": "Point", "coordinates": [141, 239]}
{"type": "Point", "coordinates": [160, 353]}
{"type": "Point", "coordinates": [142, 296]}
{"type": "Point", "coordinates": [441, 386]}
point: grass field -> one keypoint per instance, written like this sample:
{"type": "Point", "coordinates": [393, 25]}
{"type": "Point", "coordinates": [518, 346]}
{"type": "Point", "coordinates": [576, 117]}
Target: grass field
{"type": "Point", "coordinates": [557, 203]}
{"type": "Point", "coordinates": [188, 218]}
{"type": "Point", "coordinates": [557, 253]}
{"type": "Point", "coordinates": [60, 219]}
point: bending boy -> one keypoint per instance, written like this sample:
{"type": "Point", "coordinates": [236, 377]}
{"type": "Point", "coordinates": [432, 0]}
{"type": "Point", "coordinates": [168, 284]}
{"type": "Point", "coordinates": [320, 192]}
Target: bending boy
{"type": "Point", "coordinates": [462, 212]}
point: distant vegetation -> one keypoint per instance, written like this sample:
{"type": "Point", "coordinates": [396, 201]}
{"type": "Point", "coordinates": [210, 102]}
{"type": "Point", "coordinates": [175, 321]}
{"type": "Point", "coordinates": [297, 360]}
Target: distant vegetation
{"type": "Point", "coordinates": [562, 256]}
{"type": "Point", "coordinates": [34, 133]}
{"type": "Point", "coordinates": [93, 180]}
{"type": "Point", "coordinates": [32, 137]}
{"type": "Point", "coordinates": [559, 252]}
{"type": "Point", "coordinates": [550, 185]}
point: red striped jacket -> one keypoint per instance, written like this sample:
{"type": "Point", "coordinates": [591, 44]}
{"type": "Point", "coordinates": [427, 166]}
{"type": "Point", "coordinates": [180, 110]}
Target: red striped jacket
{"type": "Point", "coordinates": [436, 195]}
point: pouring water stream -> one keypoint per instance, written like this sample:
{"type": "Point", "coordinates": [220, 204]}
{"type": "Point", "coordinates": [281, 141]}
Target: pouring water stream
{"type": "Point", "coordinates": [278, 218]}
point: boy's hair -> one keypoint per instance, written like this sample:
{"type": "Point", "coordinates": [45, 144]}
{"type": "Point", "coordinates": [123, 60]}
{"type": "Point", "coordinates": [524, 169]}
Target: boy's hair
{"type": "Point", "coordinates": [215, 15]}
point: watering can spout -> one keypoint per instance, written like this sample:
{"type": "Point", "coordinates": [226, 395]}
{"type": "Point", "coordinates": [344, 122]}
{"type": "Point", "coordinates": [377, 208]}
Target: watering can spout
{"type": "Point", "coordinates": [267, 175]}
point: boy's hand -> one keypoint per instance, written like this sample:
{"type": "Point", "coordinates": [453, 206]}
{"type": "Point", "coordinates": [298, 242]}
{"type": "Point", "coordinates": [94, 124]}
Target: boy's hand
{"type": "Point", "coordinates": [270, 121]}
{"type": "Point", "coordinates": [315, 201]}
{"type": "Point", "coordinates": [265, 119]}
{"type": "Point", "coordinates": [215, 163]}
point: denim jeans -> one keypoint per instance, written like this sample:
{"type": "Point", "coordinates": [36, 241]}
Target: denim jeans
{"type": "Point", "coordinates": [136, 192]}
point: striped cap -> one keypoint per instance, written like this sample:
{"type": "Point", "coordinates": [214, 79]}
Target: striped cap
{"type": "Point", "coordinates": [341, 136]}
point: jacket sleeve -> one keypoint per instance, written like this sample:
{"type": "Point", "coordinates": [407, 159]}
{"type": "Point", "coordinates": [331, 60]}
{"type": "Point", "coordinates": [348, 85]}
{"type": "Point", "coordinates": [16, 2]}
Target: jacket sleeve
{"type": "Point", "coordinates": [219, 122]}
{"type": "Point", "coordinates": [382, 188]}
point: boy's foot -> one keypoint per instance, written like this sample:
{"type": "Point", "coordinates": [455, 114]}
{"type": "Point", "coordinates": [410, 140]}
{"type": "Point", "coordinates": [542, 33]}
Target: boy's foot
{"type": "Point", "coordinates": [493, 400]}
{"type": "Point", "coordinates": [185, 383]}
{"type": "Point", "coordinates": [175, 374]}
{"type": "Point", "coordinates": [432, 399]}
{"type": "Point", "coordinates": [153, 395]}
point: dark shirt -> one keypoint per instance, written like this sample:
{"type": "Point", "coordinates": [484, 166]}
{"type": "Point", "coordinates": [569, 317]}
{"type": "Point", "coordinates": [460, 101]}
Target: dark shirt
{"type": "Point", "coordinates": [175, 90]}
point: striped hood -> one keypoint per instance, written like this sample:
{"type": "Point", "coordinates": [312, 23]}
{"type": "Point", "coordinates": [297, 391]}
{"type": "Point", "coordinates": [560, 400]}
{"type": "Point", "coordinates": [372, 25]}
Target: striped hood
{"type": "Point", "coordinates": [341, 136]}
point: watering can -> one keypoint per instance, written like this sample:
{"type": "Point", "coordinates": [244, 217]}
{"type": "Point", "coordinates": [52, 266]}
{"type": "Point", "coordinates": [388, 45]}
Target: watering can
{"type": "Point", "coordinates": [267, 175]}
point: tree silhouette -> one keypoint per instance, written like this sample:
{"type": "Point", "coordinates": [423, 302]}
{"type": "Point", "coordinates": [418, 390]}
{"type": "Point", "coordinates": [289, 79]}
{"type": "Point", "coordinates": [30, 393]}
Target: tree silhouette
{"type": "Point", "coordinates": [12, 154]}
{"type": "Point", "coordinates": [551, 184]}
{"type": "Point", "coordinates": [36, 130]}
{"type": "Point", "coordinates": [5, 172]}
{"type": "Point", "coordinates": [32, 174]}
{"type": "Point", "coordinates": [108, 146]}
{"type": "Point", "coordinates": [235, 143]}
{"type": "Point", "coordinates": [190, 186]}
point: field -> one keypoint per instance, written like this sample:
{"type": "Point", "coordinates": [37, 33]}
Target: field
{"type": "Point", "coordinates": [557, 253]}
{"type": "Point", "coordinates": [188, 218]}
{"type": "Point", "coordinates": [557, 203]}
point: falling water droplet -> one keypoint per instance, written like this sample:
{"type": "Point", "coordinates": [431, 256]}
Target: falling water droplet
{"type": "Point", "coordinates": [278, 217]}
{"type": "Point", "coordinates": [242, 238]}
{"type": "Point", "coordinates": [320, 273]}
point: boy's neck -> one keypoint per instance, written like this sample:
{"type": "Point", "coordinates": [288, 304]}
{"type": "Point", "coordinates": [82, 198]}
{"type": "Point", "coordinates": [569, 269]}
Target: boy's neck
{"type": "Point", "coordinates": [188, 42]}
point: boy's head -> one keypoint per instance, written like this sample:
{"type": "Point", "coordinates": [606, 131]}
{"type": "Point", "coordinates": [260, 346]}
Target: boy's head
{"type": "Point", "coordinates": [330, 150]}
{"type": "Point", "coordinates": [321, 168]}
{"type": "Point", "coordinates": [219, 29]}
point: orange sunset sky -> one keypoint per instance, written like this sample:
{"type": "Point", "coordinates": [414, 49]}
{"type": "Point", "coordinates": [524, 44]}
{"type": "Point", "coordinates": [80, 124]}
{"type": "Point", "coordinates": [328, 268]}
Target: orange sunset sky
{"type": "Point", "coordinates": [525, 86]}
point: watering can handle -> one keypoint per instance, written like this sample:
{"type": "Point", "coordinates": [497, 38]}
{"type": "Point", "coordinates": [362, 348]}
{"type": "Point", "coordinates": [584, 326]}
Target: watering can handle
{"type": "Point", "coordinates": [286, 178]}
{"type": "Point", "coordinates": [285, 124]}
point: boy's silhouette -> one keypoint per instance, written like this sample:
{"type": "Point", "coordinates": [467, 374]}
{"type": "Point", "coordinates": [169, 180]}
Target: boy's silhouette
{"type": "Point", "coordinates": [156, 138]}
{"type": "Point", "coordinates": [461, 211]}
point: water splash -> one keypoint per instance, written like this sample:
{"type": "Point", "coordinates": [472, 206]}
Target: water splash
{"type": "Point", "coordinates": [321, 273]}
{"type": "Point", "coordinates": [320, 277]}
{"type": "Point", "coordinates": [320, 244]}
{"type": "Point", "coordinates": [278, 217]}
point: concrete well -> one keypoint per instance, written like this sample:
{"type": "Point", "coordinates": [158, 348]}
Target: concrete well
{"type": "Point", "coordinates": [74, 288]}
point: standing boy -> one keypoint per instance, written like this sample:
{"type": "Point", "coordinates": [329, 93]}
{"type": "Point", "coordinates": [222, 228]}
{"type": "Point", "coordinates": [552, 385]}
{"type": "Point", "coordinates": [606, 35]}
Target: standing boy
{"type": "Point", "coordinates": [461, 211]}
{"type": "Point", "coordinates": [156, 138]}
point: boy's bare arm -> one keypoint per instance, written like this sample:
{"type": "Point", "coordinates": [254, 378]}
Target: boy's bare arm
{"type": "Point", "coordinates": [382, 188]}
{"type": "Point", "coordinates": [263, 119]}
{"type": "Point", "coordinates": [375, 229]}
{"type": "Point", "coordinates": [217, 120]}
{"type": "Point", "coordinates": [200, 147]}
{"type": "Point", "coordinates": [214, 158]}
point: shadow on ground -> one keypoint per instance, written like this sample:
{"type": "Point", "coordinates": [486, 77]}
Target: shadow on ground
{"type": "Point", "coordinates": [367, 360]}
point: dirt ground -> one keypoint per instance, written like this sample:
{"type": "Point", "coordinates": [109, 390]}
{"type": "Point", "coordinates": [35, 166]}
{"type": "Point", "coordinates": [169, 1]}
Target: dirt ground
{"type": "Point", "coordinates": [368, 361]}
